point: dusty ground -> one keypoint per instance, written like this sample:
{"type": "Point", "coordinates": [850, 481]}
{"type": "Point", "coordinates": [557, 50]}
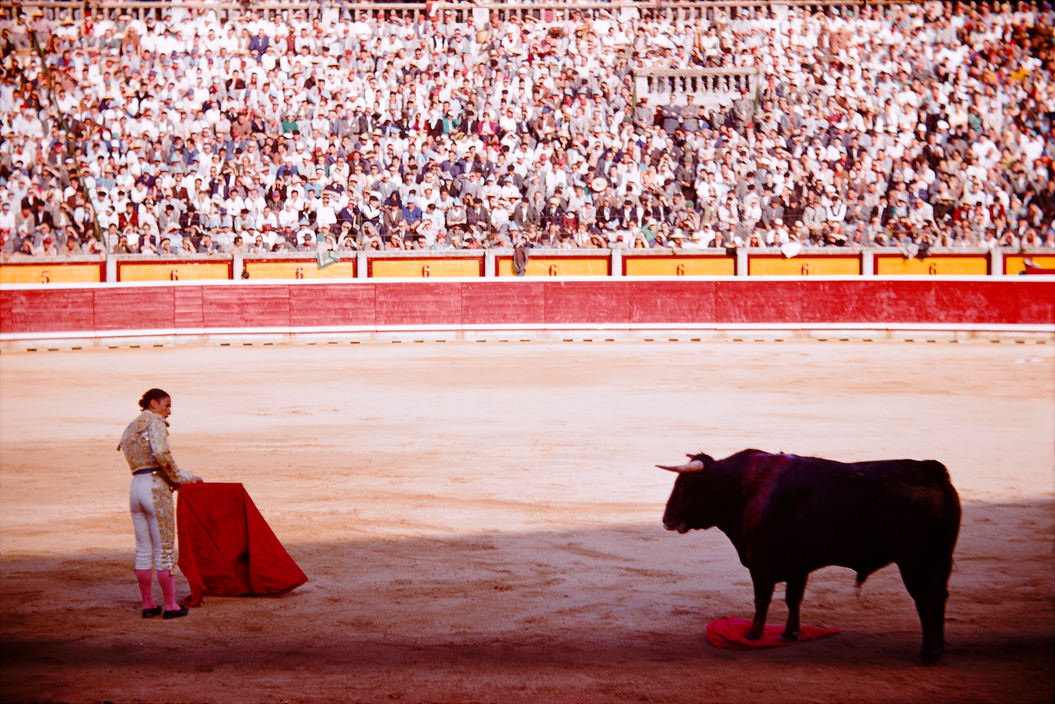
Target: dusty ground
{"type": "Point", "coordinates": [481, 522]}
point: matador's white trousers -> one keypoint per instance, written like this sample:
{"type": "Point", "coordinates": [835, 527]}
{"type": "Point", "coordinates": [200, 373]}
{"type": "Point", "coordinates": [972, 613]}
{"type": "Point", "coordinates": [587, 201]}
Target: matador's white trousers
{"type": "Point", "coordinates": [150, 501]}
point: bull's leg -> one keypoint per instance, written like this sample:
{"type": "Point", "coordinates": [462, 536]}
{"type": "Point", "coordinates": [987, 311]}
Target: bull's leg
{"type": "Point", "coordinates": [796, 587]}
{"type": "Point", "coordinates": [763, 595]}
{"type": "Point", "coordinates": [928, 586]}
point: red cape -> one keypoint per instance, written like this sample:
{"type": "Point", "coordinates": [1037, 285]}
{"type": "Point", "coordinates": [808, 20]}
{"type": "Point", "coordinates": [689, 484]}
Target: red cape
{"type": "Point", "coordinates": [729, 633]}
{"type": "Point", "coordinates": [226, 547]}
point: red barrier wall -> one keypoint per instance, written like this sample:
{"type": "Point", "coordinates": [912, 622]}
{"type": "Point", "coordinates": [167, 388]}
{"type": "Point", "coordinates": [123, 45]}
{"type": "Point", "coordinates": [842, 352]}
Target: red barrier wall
{"type": "Point", "coordinates": [186, 308]}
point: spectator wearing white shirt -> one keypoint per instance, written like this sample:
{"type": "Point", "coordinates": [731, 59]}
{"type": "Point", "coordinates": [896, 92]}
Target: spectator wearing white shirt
{"type": "Point", "coordinates": [325, 214]}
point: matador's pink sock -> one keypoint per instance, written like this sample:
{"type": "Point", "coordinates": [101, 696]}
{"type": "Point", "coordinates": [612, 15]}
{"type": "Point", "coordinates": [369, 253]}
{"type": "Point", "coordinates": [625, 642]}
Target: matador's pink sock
{"type": "Point", "coordinates": [168, 589]}
{"type": "Point", "coordinates": [145, 579]}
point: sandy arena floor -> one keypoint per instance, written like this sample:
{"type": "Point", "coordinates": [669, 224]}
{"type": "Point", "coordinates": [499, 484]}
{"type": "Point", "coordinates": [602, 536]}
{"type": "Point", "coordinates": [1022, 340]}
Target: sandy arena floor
{"type": "Point", "coordinates": [481, 522]}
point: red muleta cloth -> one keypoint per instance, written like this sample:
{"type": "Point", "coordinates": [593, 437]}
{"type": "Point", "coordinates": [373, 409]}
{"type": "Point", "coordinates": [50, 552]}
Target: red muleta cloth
{"type": "Point", "coordinates": [226, 548]}
{"type": "Point", "coordinates": [729, 633]}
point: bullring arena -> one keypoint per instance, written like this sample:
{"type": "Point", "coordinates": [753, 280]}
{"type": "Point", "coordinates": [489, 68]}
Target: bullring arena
{"type": "Point", "coordinates": [458, 445]}
{"type": "Point", "coordinates": [479, 515]}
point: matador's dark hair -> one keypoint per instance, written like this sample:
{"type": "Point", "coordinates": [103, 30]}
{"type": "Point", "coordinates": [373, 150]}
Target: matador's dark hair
{"type": "Point", "coordinates": [150, 395]}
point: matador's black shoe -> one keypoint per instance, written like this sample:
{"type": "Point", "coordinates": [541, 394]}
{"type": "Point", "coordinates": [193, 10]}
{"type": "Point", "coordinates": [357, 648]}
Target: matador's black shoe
{"type": "Point", "coordinates": [181, 611]}
{"type": "Point", "coordinates": [151, 613]}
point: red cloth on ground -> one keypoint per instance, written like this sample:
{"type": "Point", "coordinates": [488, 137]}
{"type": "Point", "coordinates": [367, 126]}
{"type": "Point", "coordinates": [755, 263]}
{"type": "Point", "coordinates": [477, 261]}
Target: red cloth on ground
{"type": "Point", "coordinates": [729, 633]}
{"type": "Point", "coordinates": [226, 548]}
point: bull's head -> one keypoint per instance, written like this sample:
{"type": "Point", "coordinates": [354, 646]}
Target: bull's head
{"type": "Point", "coordinates": [688, 505]}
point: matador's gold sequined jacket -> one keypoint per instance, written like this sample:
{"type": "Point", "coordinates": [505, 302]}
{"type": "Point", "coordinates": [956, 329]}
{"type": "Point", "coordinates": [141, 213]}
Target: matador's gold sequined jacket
{"type": "Point", "coordinates": [145, 444]}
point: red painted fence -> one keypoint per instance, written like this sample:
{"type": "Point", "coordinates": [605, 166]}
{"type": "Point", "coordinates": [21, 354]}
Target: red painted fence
{"type": "Point", "coordinates": [116, 310]}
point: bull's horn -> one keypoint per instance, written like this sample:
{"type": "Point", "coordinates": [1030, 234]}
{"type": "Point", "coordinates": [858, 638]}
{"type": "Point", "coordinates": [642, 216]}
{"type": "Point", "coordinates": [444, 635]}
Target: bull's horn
{"type": "Point", "coordinates": [693, 466]}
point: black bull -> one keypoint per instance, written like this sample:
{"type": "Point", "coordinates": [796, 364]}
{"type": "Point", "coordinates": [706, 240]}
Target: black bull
{"type": "Point", "coordinates": [787, 516]}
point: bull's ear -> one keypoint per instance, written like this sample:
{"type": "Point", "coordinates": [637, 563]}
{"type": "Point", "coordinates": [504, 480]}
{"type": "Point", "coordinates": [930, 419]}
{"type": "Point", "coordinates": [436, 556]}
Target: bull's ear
{"type": "Point", "coordinates": [688, 467]}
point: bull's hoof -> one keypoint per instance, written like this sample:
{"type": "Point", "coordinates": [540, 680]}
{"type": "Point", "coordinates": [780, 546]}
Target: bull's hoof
{"type": "Point", "coordinates": [753, 634]}
{"type": "Point", "coordinates": [930, 656]}
{"type": "Point", "coordinates": [789, 636]}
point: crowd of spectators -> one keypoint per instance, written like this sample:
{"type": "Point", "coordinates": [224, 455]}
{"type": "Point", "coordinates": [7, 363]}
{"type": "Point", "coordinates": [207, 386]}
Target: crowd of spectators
{"type": "Point", "coordinates": [904, 125]}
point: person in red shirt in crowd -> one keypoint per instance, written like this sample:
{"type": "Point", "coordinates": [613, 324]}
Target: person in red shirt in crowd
{"type": "Point", "coordinates": [129, 217]}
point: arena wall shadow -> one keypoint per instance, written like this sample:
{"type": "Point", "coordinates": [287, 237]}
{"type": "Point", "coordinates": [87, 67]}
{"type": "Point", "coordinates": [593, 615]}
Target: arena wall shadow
{"type": "Point", "coordinates": [500, 609]}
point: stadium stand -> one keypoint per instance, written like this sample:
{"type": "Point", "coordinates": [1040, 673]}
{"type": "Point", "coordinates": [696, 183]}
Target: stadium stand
{"type": "Point", "coordinates": [198, 127]}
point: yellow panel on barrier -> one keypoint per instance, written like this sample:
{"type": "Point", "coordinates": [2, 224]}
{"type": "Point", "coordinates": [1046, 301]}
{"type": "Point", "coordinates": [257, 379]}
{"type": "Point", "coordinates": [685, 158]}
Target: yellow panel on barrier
{"type": "Point", "coordinates": [299, 269]}
{"type": "Point", "coordinates": [557, 266]}
{"type": "Point", "coordinates": [774, 265]}
{"type": "Point", "coordinates": [1016, 263]}
{"type": "Point", "coordinates": [425, 268]}
{"type": "Point", "coordinates": [679, 266]}
{"type": "Point", "coordinates": [173, 271]}
{"type": "Point", "coordinates": [933, 265]}
{"type": "Point", "coordinates": [54, 273]}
